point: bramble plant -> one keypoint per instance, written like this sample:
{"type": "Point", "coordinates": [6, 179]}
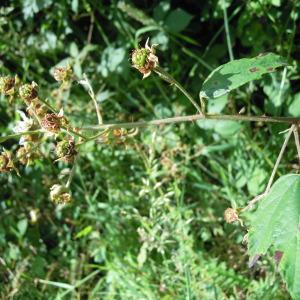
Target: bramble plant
{"type": "Point", "coordinates": [274, 225]}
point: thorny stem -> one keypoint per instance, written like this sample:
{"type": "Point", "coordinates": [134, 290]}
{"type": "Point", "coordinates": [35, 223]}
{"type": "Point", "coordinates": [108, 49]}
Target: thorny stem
{"type": "Point", "coordinates": [167, 77]}
{"type": "Point", "coordinates": [192, 118]}
{"type": "Point", "coordinates": [173, 120]}
{"type": "Point", "coordinates": [259, 197]}
{"type": "Point", "coordinates": [71, 132]}
{"type": "Point", "coordinates": [92, 95]}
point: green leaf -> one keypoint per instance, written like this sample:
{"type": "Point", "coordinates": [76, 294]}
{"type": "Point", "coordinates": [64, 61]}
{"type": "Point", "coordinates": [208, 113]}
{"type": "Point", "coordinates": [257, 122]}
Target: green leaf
{"type": "Point", "coordinates": [294, 108]}
{"type": "Point", "coordinates": [178, 20]}
{"type": "Point", "coordinates": [85, 231]}
{"type": "Point", "coordinates": [234, 74]}
{"type": "Point", "coordinates": [276, 223]}
{"type": "Point", "coordinates": [22, 226]}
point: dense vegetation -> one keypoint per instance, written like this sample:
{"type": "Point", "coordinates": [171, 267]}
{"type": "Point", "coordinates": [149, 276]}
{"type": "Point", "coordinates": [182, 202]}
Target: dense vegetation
{"type": "Point", "coordinates": [146, 220]}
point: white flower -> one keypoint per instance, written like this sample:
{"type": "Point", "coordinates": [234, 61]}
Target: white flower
{"type": "Point", "coordinates": [22, 126]}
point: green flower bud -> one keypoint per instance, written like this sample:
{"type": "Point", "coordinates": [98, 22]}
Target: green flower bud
{"type": "Point", "coordinates": [28, 92]}
{"type": "Point", "coordinates": [59, 194]}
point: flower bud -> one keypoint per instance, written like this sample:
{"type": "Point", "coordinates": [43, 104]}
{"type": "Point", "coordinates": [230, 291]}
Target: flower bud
{"type": "Point", "coordinates": [6, 163]}
{"type": "Point", "coordinates": [59, 194]}
{"type": "Point", "coordinates": [7, 85]}
{"type": "Point", "coordinates": [28, 92]}
{"type": "Point", "coordinates": [231, 215]}
{"type": "Point", "coordinates": [65, 150]}
{"type": "Point", "coordinates": [63, 74]}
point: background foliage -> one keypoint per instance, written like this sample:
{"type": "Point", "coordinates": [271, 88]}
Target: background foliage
{"type": "Point", "coordinates": [147, 217]}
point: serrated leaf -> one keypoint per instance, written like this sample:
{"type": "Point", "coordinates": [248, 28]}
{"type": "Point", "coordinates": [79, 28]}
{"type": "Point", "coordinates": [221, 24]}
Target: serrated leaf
{"type": "Point", "coordinates": [276, 223]}
{"type": "Point", "coordinates": [236, 73]}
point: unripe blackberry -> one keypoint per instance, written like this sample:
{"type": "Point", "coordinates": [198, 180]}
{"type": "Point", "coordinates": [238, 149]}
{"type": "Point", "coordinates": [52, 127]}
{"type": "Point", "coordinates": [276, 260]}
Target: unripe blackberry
{"type": "Point", "coordinates": [144, 59]}
{"type": "Point", "coordinates": [139, 58]}
{"type": "Point", "coordinates": [28, 92]}
{"type": "Point", "coordinates": [65, 151]}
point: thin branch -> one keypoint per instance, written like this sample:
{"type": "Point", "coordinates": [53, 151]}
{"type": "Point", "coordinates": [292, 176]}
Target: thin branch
{"type": "Point", "coordinates": [17, 135]}
{"type": "Point", "coordinates": [279, 157]}
{"type": "Point", "coordinates": [259, 197]}
{"type": "Point", "coordinates": [92, 95]}
{"type": "Point", "coordinates": [192, 118]}
{"type": "Point", "coordinates": [90, 33]}
{"type": "Point", "coordinates": [229, 45]}
{"type": "Point", "coordinates": [167, 77]}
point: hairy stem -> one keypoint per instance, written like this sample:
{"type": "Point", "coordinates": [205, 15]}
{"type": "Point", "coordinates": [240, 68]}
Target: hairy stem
{"type": "Point", "coordinates": [192, 118]}
{"type": "Point", "coordinates": [167, 77]}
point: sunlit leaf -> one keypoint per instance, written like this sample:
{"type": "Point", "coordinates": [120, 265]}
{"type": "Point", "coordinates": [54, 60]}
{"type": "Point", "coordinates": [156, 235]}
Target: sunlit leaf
{"type": "Point", "coordinates": [236, 73]}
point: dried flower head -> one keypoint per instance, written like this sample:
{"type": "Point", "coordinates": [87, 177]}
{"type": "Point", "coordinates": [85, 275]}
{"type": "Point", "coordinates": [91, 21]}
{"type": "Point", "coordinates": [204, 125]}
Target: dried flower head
{"type": "Point", "coordinates": [27, 154]}
{"type": "Point", "coordinates": [28, 92]}
{"type": "Point", "coordinates": [6, 163]}
{"type": "Point", "coordinates": [22, 156]}
{"type": "Point", "coordinates": [231, 215]}
{"type": "Point", "coordinates": [63, 74]}
{"type": "Point", "coordinates": [144, 59]}
{"type": "Point", "coordinates": [65, 150]}
{"type": "Point", "coordinates": [37, 108]}
{"type": "Point", "coordinates": [60, 194]}
{"type": "Point", "coordinates": [53, 122]}
{"type": "Point", "coordinates": [7, 85]}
